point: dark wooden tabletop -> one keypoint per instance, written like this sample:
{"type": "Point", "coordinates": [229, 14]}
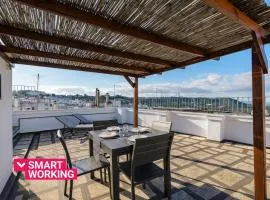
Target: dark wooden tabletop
{"type": "Point", "coordinates": [115, 147]}
{"type": "Point", "coordinates": [120, 143]}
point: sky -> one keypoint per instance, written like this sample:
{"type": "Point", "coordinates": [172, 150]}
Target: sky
{"type": "Point", "coordinates": [230, 76]}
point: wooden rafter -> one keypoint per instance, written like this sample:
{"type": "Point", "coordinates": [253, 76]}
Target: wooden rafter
{"type": "Point", "coordinates": [86, 17]}
{"type": "Point", "coordinates": [225, 7]}
{"type": "Point", "coordinates": [69, 67]}
{"type": "Point", "coordinates": [77, 44]}
{"type": "Point", "coordinates": [259, 47]}
{"type": "Point", "coordinates": [215, 54]}
{"type": "Point", "coordinates": [130, 81]}
{"type": "Point", "coordinates": [30, 52]}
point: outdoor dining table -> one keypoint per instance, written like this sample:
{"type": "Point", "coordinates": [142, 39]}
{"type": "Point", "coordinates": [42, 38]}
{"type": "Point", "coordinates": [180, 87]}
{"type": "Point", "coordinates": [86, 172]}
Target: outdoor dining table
{"type": "Point", "coordinates": [116, 147]}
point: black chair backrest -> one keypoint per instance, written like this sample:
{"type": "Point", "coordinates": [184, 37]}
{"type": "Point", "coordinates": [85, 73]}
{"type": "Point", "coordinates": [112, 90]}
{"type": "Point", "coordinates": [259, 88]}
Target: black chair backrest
{"type": "Point", "coordinates": [82, 119]}
{"type": "Point", "coordinates": [162, 126]}
{"type": "Point", "coordinates": [98, 125]}
{"type": "Point", "coordinates": [148, 150]}
{"type": "Point", "coordinates": [62, 140]}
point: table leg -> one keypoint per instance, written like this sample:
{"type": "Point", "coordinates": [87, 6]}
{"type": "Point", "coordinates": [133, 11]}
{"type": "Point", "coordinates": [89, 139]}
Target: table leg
{"type": "Point", "coordinates": [114, 177]}
{"type": "Point", "coordinates": [91, 153]}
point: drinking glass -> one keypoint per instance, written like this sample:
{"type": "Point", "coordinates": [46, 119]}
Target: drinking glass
{"type": "Point", "coordinates": [137, 131]}
{"type": "Point", "coordinates": [125, 129]}
{"type": "Point", "coordinates": [121, 133]}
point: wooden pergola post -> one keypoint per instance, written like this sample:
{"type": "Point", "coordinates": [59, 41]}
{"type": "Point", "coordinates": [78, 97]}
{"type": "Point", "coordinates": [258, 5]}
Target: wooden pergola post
{"type": "Point", "coordinates": [135, 99]}
{"type": "Point", "coordinates": [258, 97]}
{"type": "Point", "coordinates": [135, 103]}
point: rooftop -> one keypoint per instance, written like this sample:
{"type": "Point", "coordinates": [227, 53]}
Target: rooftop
{"type": "Point", "coordinates": [201, 169]}
{"type": "Point", "coordinates": [136, 39]}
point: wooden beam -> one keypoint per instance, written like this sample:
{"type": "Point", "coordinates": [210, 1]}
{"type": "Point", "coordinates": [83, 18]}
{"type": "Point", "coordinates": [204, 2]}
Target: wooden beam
{"type": "Point", "coordinates": [259, 47]}
{"type": "Point", "coordinates": [135, 104]}
{"type": "Point", "coordinates": [89, 18]}
{"type": "Point", "coordinates": [130, 81]}
{"type": "Point", "coordinates": [43, 54]}
{"type": "Point", "coordinates": [229, 10]}
{"type": "Point", "coordinates": [77, 44]}
{"type": "Point", "coordinates": [4, 56]}
{"type": "Point", "coordinates": [214, 54]}
{"type": "Point", "coordinates": [69, 67]}
{"type": "Point", "coordinates": [258, 97]}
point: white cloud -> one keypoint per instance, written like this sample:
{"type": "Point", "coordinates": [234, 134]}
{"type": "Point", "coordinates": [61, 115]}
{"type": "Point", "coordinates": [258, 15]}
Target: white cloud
{"type": "Point", "coordinates": [236, 85]}
{"type": "Point", "coordinates": [65, 90]}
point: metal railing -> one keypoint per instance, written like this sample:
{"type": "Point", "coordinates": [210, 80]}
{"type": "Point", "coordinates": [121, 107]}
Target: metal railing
{"type": "Point", "coordinates": [199, 104]}
{"type": "Point", "coordinates": [16, 88]}
{"type": "Point", "coordinates": [239, 105]}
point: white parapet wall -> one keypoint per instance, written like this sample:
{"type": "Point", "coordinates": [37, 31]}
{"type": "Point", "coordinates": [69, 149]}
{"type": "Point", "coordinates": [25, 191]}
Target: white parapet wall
{"type": "Point", "coordinates": [34, 121]}
{"type": "Point", "coordinates": [5, 123]}
{"type": "Point", "coordinates": [215, 127]}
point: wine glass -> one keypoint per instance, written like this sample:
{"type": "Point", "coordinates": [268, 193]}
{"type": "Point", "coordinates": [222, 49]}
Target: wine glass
{"type": "Point", "coordinates": [137, 131]}
{"type": "Point", "coordinates": [121, 133]}
{"type": "Point", "coordinates": [125, 128]}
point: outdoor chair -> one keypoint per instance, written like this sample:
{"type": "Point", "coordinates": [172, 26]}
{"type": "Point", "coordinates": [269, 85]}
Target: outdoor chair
{"type": "Point", "coordinates": [72, 124]}
{"type": "Point", "coordinates": [82, 119]}
{"type": "Point", "coordinates": [162, 126]}
{"type": "Point", "coordinates": [142, 168]}
{"type": "Point", "coordinates": [98, 125]}
{"type": "Point", "coordinates": [84, 166]}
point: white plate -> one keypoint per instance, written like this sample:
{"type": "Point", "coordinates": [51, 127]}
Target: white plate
{"type": "Point", "coordinates": [113, 128]}
{"type": "Point", "coordinates": [108, 134]}
{"type": "Point", "coordinates": [134, 137]}
{"type": "Point", "coordinates": [140, 129]}
{"type": "Point", "coordinates": [144, 129]}
{"type": "Point", "coordinates": [134, 130]}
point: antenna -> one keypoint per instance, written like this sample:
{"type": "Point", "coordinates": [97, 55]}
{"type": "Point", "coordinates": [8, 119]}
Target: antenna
{"type": "Point", "coordinates": [114, 94]}
{"type": "Point", "coordinates": [38, 78]}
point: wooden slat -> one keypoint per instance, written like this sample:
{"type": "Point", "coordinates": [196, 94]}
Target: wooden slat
{"type": "Point", "coordinates": [259, 47]}
{"type": "Point", "coordinates": [77, 44]}
{"type": "Point", "coordinates": [258, 97]}
{"type": "Point", "coordinates": [86, 17]}
{"type": "Point", "coordinates": [69, 67]}
{"type": "Point", "coordinates": [135, 103]}
{"type": "Point", "coordinates": [215, 54]}
{"type": "Point", "coordinates": [130, 81]}
{"type": "Point", "coordinates": [225, 7]}
{"type": "Point", "coordinates": [43, 54]}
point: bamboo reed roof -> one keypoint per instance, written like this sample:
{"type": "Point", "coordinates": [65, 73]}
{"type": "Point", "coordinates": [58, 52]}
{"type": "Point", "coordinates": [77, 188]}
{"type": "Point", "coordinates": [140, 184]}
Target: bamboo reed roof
{"type": "Point", "coordinates": [186, 32]}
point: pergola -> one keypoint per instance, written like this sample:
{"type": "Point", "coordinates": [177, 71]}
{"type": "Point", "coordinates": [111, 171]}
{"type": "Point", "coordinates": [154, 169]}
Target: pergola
{"type": "Point", "coordinates": [136, 39]}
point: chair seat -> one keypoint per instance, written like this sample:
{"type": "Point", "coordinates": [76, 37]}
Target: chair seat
{"type": "Point", "coordinates": [90, 164]}
{"type": "Point", "coordinates": [142, 173]}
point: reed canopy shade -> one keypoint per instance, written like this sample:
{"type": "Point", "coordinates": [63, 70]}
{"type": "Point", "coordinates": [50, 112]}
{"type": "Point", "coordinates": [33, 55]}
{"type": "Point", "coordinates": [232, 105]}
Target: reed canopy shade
{"type": "Point", "coordinates": [127, 37]}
